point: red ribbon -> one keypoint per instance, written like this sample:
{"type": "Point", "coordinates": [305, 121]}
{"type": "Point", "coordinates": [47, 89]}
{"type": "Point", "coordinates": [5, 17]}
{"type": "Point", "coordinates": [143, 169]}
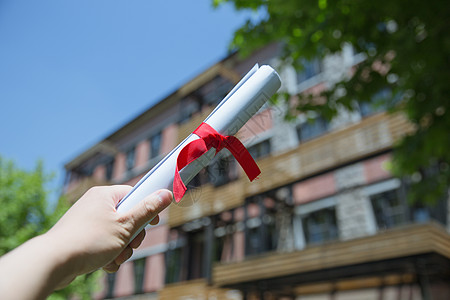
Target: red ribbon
{"type": "Point", "coordinates": [209, 138]}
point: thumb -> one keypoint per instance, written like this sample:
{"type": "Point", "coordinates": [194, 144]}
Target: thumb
{"type": "Point", "coordinates": [149, 208]}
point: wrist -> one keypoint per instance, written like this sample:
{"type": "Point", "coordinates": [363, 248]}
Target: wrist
{"type": "Point", "coordinates": [59, 258]}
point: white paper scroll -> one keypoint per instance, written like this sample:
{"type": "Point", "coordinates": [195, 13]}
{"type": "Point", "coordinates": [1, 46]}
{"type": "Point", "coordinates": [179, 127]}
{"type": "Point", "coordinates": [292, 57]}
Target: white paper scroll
{"type": "Point", "coordinates": [244, 100]}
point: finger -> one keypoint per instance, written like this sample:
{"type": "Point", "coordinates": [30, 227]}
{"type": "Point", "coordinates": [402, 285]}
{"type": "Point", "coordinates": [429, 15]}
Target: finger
{"type": "Point", "coordinates": [136, 242]}
{"type": "Point", "coordinates": [112, 267]}
{"type": "Point", "coordinates": [155, 220]}
{"type": "Point", "coordinates": [148, 208]}
{"type": "Point", "coordinates": [124, 255]}
{"type": "Point", "coordinates": [119, 191]}
{"type": "Point", "coordinates": [65, 283]}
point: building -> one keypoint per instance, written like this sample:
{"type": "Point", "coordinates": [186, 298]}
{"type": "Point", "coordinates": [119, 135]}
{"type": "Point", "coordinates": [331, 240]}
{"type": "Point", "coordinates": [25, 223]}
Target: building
{"type": "Point", "coordinates": [325, 219]}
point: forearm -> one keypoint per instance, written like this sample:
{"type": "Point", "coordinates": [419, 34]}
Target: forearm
{"type": "Point", "coordinates": [33, 270]}
{"type": "Point", "coordinates": [91, 235]}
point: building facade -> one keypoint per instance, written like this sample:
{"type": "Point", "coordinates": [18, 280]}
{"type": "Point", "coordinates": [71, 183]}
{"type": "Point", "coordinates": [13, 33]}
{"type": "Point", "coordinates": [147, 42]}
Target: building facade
{"type": "Point", "coordinates": [324, 220]}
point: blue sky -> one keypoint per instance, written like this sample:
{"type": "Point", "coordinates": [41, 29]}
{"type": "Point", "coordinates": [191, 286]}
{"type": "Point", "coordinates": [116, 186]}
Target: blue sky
{"type": "Point", "coordinates": [72, 72]}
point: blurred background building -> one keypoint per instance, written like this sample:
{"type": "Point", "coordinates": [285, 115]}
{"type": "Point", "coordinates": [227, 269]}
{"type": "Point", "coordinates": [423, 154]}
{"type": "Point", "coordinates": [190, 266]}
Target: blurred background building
{"type": "Point", "coordinates": [325, 219]}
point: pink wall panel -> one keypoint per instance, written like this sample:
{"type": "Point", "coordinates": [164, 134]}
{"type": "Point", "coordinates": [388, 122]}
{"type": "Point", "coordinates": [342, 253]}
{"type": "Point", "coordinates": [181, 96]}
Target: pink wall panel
{"type": "Point", "coordinates": [239, 246]}
{"type": "Point", "coordinates": [227, 254]}
{"type": "Point", "coordinates": [133, 180]}
{"type": "Point", "coordinates": [316, 89]}
{"type": "Point", "coordinates": [119, 166]}
{"type": "Point", "coordinates": [256, 125]}
{"type": "Point", "coordinates": [155, 236]}
{"type": "Point", "coordinates": [124, 285]}
{"type": "Point", "coordinates": [72, 185]}
{"type": "Point", "coordinates": [142, 153]}
{"type": "Point", "coordinates": [154, 273]}
{"type": "Point", "coordinates": [226, 216]}
{"type": "Point", "coordinates": [253, 210]}
{"type": "Point", "coordinates": [99, 173]}
{"type": "Point", "coordinates": [169, 138]}
{"type": "Point", "coordinates": [374, 169]}
{"type": "Point", "coordinates": [314, 188]}
{"type": "Point", "coordinates": [239, 214]}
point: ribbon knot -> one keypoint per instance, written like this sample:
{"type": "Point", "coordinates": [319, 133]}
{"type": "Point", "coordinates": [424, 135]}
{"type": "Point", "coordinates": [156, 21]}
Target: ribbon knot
{"type": "Point", "coordinates": [210, 138]}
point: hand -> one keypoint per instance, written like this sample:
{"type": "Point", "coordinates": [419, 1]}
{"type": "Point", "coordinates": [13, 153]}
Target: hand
{"type": "Point", "coordinates": [91, 235]}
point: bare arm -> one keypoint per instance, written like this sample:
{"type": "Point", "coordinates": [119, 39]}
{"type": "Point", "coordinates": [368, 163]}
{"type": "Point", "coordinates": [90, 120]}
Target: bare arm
{"type": "Point", "coordinates": [91, 235]}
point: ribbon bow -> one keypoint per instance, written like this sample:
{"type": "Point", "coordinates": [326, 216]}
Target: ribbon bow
{"type": "Point", "coordinates": [210, 138]}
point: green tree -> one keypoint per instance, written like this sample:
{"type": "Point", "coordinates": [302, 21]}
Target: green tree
{"type": "Point", "coordinates": [405, 47]}
{"type": "Point", "coordinates": [25, 214]}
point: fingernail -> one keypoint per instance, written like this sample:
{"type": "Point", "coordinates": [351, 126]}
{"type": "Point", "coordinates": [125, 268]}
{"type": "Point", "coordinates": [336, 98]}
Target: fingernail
{"type": "Point", "coordinates": [164, 197]}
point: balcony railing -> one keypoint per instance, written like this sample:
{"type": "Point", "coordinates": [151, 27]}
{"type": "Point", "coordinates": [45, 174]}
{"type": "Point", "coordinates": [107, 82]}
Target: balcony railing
{"type": "Point", "coordinates": [196, 289]}
{"type": "Point", "coordinates": [370, 136]}
{"type": "Point", "coordinates": [395, 244]}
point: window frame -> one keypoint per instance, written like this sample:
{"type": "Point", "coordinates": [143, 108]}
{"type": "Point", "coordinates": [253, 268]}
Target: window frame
{"type": "Point", "coordinates": [310, 69]}
{"type": "Point", "coordinates": [311, 124]}
{"type": "Point", "coordinates": [152, 153]}
{"type": "Point", "coordinates": [130, 158]}
{"type": "Point", "coordinates": [139, 266]}
{"type": "Point", "coordinates": [303, 211]}
{"type": "Point", "coordinates": [261, 149]}
{"type": "Point", "coordinates": [109, 169]}
{"type": "Point", "coordinates": [223, 169]}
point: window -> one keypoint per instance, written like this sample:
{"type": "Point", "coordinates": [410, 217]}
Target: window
{"type": "Point", "coordinates": [320, 226]}
{"type": "Point", "coordinates": [189, 106]}
{"type": "Point", "coordinates": [224, 230]}
{"type": "Point", "coordinates": [388, 209]}
{"type": "Point", "coordinates": [220, 235]}
{"type": "Point", "coordinates": [210, 93]}
{"type": "Point", "coordinates": [111, 279]}
{"type": "Point", "coordinates": [222, 241]}
{"type": "Point", "coordinates": [200, 179]}
{"type": "Point", "coordinates": [391, 208]}
{"type": "Point", "coordinates": [253, 241]}
{"type": "Point", "coordinates": [311, 129]}
{"type": "Point", "coordinates": [130, 158]}
{"type": "Point", "coordinates": [187, 260]}
{"type": "Point", "coordinates": [223, 169]}
{"type": "Point", "coordinates": [421, 214]}
{"type": "Point", "coordinates": [155, 145]}
{"type": "Point", "coordinates": [173, 265]}
{"type": "Point", "coordinates": [261, 234]}
{"type": "Point", "coordinates": [84, 170]}
{"type": "Point", "coordinates": [374, 105]}
{"type": "Point", "coordinates": [260, 150]}
{"type": "Point", "coordinates": [196, 259]}
{"type": "Point", "coordinates": [109, 166]}
{"type": "Point", "coordinates": [310, 69]}
{"type": "Point", "coordinates": [216, 90]}
{"type": "Point", "coordinates": [139, 271]}
{"type": "Point", "coordinates": [367, 109]}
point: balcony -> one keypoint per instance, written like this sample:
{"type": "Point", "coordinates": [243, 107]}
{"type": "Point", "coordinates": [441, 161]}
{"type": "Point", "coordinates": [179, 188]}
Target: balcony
{"type": "Point", "coordinates": [409, 252]}
{"type": "Point", "coordinates": [370, 136]}
{"type": "Point", "coordinates": [195, 289]}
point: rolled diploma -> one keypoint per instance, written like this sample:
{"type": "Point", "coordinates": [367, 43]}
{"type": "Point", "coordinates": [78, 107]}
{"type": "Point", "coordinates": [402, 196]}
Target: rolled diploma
{"type": "Point", "coordinates": [246, 98]}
